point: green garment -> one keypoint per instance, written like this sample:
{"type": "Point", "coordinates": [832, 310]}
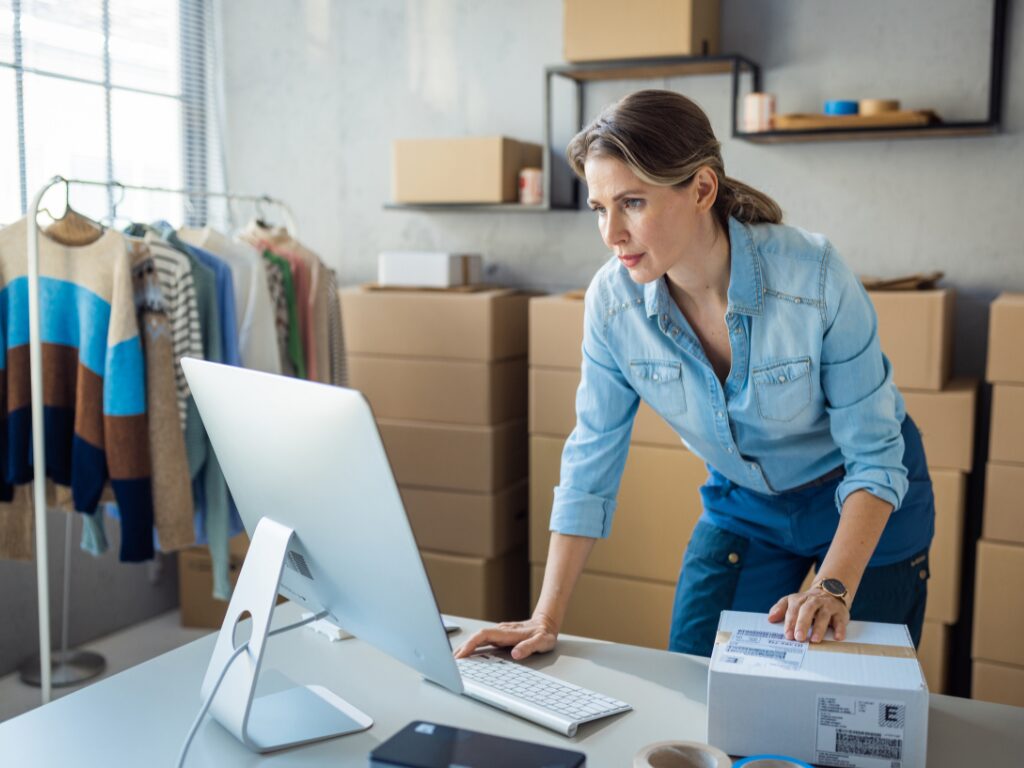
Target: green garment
{"type": "Point", "coordinates": [295, 352]}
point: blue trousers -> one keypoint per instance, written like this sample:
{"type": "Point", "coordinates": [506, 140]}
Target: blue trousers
{"type": "Point", "coordinates": [750, 549]}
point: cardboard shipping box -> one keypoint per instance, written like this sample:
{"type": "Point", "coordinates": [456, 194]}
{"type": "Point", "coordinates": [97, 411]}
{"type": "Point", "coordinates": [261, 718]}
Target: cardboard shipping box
{"type": "Point", "coordinates": [476, 524]}
{"type": "Point", "coordinates": [933, 653]}
{"type": "Point", "coordinates": [855, 703]}
{"type": "Point", "coordinates": [494, 589]}
{"type": "Point", "coordinates": [1004, 509]}
{"type": "Point", "coordinates": [199, 608]}
{"type": "Point", "coordinates": [556, 331]}
{"type": "Point", "coordinates": [553, 410]}
{"type": "Point", "coordinates": [1007, 439]}
{"type": "Point", "coordinates": [999, 603]}
{"type": "Point", "coordinates": [618, 610]}
{"type": "Point", "coordinates": [455, 456]}
{"type": "Point", "coordinates": [472, 169]}
{"type": "Point", "coordinates": [946, 421]}
{"type": "Point", "coordinates": [950, 488]}
{"type": "Point", "coordinates": [1005, 330]}
{"type": "Point", "coordinates": [1001, 683]}
{"type": "Point", "coordinates": [482, 325]}
{"type": "Point", "coordinates": [452, 391]}
{"type": "Point", "coordinates": [596, 30]}
{"type": "Point", "coordinates": [658, 506]}
{"type": "Point", "coordinates": [915, 329]}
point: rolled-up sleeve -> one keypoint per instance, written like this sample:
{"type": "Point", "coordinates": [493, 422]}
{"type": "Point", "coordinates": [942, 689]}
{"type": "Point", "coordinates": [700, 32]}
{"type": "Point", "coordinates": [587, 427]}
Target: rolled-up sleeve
{"type": "Point", "coordinates": [595, 453]}
{"type": "Point", "coordinates": [863, 404]}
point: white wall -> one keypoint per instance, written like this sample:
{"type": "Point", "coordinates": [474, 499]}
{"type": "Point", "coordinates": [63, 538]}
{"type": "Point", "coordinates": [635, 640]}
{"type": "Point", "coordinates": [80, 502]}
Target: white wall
{"type": "Point", "coordinates": [316, 90]}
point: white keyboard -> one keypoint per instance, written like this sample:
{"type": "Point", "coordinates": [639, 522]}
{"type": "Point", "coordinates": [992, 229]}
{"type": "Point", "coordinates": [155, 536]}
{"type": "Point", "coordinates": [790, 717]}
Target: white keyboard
{"type": "Point", "coordinates": [533, 695]}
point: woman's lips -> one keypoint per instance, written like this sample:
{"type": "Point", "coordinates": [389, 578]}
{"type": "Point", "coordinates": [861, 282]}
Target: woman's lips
{"type": "Point", "coordinates": [630, 259]}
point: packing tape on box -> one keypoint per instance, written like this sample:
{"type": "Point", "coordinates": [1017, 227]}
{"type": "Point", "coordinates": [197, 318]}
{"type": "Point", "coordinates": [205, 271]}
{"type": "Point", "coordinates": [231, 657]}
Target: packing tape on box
{"type": "Point", "coordinates": [835, 646]}
{"type": "Point", "coordinates": [877, 106]}
{"type": "Point", "coordinates": [771, 761]}
{"type": "Point", "coordinates": [681, 754]}
{"type": "Point", "coordinates": [841, 107]}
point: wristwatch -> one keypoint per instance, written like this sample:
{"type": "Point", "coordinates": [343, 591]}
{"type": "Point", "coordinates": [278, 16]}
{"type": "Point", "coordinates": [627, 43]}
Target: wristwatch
{"type": "Point", "coordinates": [833, 587]}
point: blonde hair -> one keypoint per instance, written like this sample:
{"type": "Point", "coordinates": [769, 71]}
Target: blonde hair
{"type": "Point", "coordinates": [665, 138]}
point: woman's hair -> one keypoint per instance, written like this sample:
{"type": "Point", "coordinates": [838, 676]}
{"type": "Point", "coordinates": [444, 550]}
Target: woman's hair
{"type": "Point", "coordinates": [665, 139]}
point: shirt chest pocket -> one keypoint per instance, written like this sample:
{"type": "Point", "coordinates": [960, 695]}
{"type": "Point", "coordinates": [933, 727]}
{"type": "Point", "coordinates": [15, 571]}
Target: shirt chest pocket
{"type": "Point", "coordinates": [783, 389]}
{"type": "Point", "coordinates": [660, 384]}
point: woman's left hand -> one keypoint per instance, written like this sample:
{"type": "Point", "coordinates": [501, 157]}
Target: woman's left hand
{"type": "Point", "coordinates": [808, 614]}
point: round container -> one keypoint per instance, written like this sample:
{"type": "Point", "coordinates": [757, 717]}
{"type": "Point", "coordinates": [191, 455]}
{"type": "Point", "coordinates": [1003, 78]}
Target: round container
{"type": "Point", "coordinates": [681, 754]}
{"type": "Point", "coordinates": [531, 186]}
{"type": "Point", "coordinates": [771, 761]}
{"type": "Point", "coordinates": [840, 107]}
{"type": "Point", "coordinates": [878, 106]}
{"type": "Point", "coordinates": [758, 111]}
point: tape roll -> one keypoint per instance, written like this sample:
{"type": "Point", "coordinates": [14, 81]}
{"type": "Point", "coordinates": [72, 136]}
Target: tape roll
{"type": "Point", "coordinates": [681, 754]}
{"type": "Point", "coordinates": [771, 761]}
{"type": "Point", "coordinates": [878, 106]}
{"type": "Point", "coordinates": [840, 107]}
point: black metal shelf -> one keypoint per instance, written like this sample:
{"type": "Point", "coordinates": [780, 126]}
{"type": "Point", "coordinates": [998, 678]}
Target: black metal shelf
{"type": "Point", "coordinates": [985, 127]}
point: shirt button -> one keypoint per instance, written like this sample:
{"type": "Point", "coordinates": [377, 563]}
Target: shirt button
{"type": "Point", "coordinates": [782, 379]}
{"type": "Point", "coordinates": [729, 449]}
{"type": "Point", "coordinates": [655, 377]}
{"type": "Point", "coordinates": [798, 301]}
{"type": "Point", "coordinates": [753, 467]}
{"type": "Point", "coordinates": [664, 318]}
{"type": "Point", "coordinates": [734, 558]}
{"type": "Point", "coordinates": [720, 414]}
{"type": "Point", "coordinates": [923, 574]}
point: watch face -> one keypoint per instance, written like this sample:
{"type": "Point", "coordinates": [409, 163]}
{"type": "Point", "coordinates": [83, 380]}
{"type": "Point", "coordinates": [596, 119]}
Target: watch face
{"type": "Point", "coordinates": [833, 586]}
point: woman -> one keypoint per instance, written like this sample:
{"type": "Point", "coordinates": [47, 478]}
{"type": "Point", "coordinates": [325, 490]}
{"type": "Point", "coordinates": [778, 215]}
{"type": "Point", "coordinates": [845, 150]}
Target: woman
{"type": "Point", "coordinates": [759, 346]}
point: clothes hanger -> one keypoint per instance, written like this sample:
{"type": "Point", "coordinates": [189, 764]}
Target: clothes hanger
{"type": "Point", "coordinates": [72, 228]}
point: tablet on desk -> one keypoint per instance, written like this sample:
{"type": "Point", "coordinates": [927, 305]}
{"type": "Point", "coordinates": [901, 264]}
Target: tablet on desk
{"type": "Point", "coordinates": [429, 745]}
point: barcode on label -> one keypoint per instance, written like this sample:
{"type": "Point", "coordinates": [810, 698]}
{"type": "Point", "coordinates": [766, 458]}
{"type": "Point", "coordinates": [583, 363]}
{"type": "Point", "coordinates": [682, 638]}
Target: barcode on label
{"type": "Point", "coordinates": [764, 653]}
{"type": "Point", "coordinates": [761, 633]}
{"type": "Point", "coordinates": [868, 744]}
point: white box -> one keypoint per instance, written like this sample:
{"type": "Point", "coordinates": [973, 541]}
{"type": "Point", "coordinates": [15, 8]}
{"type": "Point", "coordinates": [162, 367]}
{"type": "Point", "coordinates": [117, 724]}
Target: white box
{"type": "Point", "coordinates": [427, 269]}
{"type": "Point", "coordinates": [861, 703]}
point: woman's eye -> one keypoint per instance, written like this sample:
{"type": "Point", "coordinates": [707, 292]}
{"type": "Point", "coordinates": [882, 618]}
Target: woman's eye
{"type": "Point", "coordinates": [632, 203]}
{"type": "Point", "coordinates": [598, 210]}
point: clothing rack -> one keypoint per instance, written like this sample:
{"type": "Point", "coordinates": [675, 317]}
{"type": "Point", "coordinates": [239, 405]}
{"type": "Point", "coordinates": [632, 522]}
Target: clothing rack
{"type": "Point", "coordinates": [38, 429]}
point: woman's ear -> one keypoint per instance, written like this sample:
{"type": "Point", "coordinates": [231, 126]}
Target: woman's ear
{"type": "Point", "coordinates": [705, 186]}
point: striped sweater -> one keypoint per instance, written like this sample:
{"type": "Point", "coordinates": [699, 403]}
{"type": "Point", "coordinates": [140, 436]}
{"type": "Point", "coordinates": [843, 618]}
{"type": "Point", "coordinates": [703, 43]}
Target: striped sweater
{"type": "Point", "coordinates": [94, 388]}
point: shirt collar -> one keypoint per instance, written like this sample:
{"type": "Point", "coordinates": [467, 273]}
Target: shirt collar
{"type": "Point", "coordinates": [744, 294]}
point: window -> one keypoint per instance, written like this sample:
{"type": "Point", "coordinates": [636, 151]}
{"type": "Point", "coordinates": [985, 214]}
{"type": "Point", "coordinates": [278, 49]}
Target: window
{"type": "Point", "coordinates": [109, 90]}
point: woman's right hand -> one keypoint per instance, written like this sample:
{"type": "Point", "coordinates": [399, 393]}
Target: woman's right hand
{"type": "Point", "coordinates": [535, 635]}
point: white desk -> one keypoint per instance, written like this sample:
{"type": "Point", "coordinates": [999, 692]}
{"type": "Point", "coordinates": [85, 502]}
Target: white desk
{"type": "Point", "coordinates": [139, 717]}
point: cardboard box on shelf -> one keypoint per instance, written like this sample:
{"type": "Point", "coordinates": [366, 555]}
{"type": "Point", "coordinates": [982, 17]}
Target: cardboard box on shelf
{"type": "Point", "coordinates": [950, 488]}
{"type": "Point", "coordinates": [452, 391]}
{"type": "Point", "coordinates": [615, 609]}
{"type": "Point", "coordinates": [658, 506]}
{"type": "Point", "coordinates": [1005, 330]}
{"type": "Point", "coordinates": [494, 589]}
{"type": "Point", "coordinates": [999, 683]}
{"type": "Point", "coordinates": [1004, 520]}
{"type": "Point", "coordinates": [946, 421]}
{"type": "Point", "coordinates": [427, 269]}
{"type": "Point", "coordinates": [770, 695]}
{"type": "Point", "coordinates": [553, 410]}
{"type": "Point", "coordinates": [455, 456]}
{"type": "Point", "coordinates": [933, 653]}
{"type": "Point", "coordinates": [915, 329]}
{"type": "Point", "coordinates": [596, 30]}
{"type": "Point", "coordinates": [475, 524]}
{"type": "Point", "coordinates": [483, 326]}
{"type": "Point", "coordinates": [471, 169]}
{"type": "Point", "coordinates": [1007, 439]}
{"type": "Point", "coordinates": [199, 608]}
{"type": "Point", "coordinates": [556, 331]}
{"type": "Point", "coordinates": [999, 603]}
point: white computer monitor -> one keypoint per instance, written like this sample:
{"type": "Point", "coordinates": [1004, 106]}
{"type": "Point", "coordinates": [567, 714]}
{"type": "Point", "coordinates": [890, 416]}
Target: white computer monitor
{"type": "Point", "coordinates": [307, 459]}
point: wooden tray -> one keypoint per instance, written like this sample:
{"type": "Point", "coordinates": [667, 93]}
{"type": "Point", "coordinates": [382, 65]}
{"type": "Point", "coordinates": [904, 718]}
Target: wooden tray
{"type": "Point", "coordinates": [810, 122]}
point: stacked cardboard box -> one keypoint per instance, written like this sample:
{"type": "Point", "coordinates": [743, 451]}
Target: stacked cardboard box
{"type": "Point", "coordinates": [445, 374]}
{"type": "Point", "coordinates": [626, 591]}
{"type": "Point", "coordinates": [998, 653]}
{"type": "Point", "coordinates": [915, 328]}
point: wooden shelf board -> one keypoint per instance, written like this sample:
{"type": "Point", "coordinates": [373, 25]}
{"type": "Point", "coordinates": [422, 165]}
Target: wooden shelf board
{"type": "Point", "coordinates": [863, 134]}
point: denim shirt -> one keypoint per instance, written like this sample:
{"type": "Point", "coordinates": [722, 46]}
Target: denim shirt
{"type": "Point", "coordinates": [809, 388]}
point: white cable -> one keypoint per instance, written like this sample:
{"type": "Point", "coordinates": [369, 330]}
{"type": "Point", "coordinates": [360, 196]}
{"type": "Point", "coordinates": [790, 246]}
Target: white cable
{"type": "Point", "coordinates": [220, 678]}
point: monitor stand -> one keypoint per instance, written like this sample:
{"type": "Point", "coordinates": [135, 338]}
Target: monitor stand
{"type": "Point", "coordinates": [295, 716]}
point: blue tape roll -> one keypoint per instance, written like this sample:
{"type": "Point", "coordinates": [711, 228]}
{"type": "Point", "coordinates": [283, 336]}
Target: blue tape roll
{"type": "Point", "coordinates": [841, 107]}
{"type": "Point", "coordinates": [771, 761]}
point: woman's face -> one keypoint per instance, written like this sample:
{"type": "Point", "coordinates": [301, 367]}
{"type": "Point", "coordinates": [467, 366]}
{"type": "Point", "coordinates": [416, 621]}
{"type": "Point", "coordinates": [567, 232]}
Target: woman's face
{"type": "Point", "coordinates": [648, 227]}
